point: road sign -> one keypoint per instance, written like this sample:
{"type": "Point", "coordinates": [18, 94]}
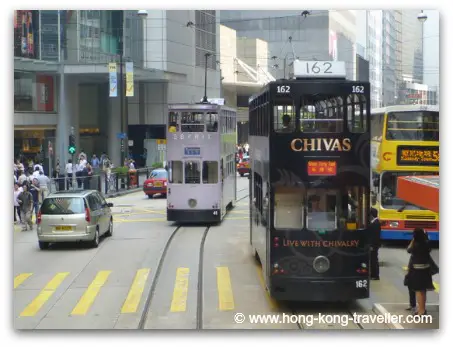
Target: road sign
{"type": "Point", "coordinates": [161, 142]}
{"type": "Point", "coordinates": [121, 135]}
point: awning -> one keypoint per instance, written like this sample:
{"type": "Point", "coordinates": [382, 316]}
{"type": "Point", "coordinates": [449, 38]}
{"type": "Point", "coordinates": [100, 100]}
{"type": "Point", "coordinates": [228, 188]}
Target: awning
{"type": "Point", "coordinates": [421, 191]}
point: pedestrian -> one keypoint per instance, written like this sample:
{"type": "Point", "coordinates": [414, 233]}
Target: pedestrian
{"type": "Point", "coordinates": [35, 191]}
{"type": "Point", "coordinates": [81, 171]}
{"type": "Point", "coordinates": [17, 191]}
{"type": "Point", "coordinates": [25, 200]}
{"type": "Point", "coordinates": [419, 277]}
{"type": "Point", "coordinates": [22, 178]}
{"type": "Point", "coordinates": [95, 164]}
{"type": "Point", "coordinates": [44, 184]}
{"type": "Point", "coordinates": [375, 243]}
{"type": "Point", "coordinates": [69, 168]}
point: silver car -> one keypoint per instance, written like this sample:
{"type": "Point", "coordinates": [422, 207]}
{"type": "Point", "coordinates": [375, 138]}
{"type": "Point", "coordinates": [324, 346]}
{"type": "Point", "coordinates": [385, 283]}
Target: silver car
{"type": "Point", "coordinates": [70, 216]}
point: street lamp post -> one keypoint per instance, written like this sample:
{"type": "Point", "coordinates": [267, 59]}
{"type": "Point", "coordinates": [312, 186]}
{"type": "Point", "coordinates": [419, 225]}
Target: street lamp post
{"type": "Point", "coordinates": [205, 97]}
{"type": "Point", "coordinates": [422, 17]}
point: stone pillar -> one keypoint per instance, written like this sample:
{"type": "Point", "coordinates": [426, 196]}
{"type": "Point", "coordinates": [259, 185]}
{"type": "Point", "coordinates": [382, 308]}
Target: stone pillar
{"type": "Point", "coordinates": [114, 128]}
{"type": "Point", "coordinates": [68, 115]}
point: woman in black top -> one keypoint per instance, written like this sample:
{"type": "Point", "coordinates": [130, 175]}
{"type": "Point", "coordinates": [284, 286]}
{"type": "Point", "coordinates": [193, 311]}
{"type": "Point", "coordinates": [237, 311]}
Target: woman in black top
{"type": "Point", "coordinates": [419, 277]}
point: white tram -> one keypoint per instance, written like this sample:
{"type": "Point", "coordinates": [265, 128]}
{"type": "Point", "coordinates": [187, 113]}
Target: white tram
{"type": "Point", "coordinates": [201, 146]}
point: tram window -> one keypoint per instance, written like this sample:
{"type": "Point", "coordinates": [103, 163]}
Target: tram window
{"type": "Point", "coordinates": [212, 122]}
{"type": "Point", "coordinates": [333, 209]}
{"type": "Point", "coordinates": [175, 172]}
{"type": "Point", "coordinates": [173, 121]}
{"type": "Point", "coordinates": [289, 208]}
{"type": "Point", "coordinates": [210, 172]}
{"type": "Point", "coordinates": [284, 118]}
{"type": "Point", "coordinates": [357, 113]}
{"type": "Point", "coordinates": [321, 114]}
{"type": "Point", "coordinates": [192, 172]}
{"type": "Point", "coordinates": [192, 122]}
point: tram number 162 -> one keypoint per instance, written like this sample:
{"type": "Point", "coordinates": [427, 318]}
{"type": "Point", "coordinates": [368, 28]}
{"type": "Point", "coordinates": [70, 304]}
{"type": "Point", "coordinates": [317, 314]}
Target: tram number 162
{"type": "Point", "coordinates": [361, 284]}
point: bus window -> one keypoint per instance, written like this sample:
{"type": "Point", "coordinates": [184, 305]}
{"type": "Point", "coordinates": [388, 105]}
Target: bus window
{"type": "Point", "coordinates": [413, 126]}
{"type": "Point", "coordinates": [288, 208]}
{"type": "Point", "coordinates": [321, 114]}
{"type": "Point", "coordinates": [175, 172]}
{"type": "Point", "coordinates": [173, 122]}
{"type": "Point", "coordinates": [284, 118]}
{"type": "Point", "coordinates": [192, 122]}
{"type": "Point", "coordinates": [210, 172]}
{"type": "Point", "coordinates": [389, 181]}
{"type": "Point", "coordinates": [212, 122]}
{"type": "Point", "coordinates": [192, 172]}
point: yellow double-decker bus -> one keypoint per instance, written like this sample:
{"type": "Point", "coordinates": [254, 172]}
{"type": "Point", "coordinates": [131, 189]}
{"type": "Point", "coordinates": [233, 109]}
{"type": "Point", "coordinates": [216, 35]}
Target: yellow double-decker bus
{"type": "Point", "coordinates": [405, 142]}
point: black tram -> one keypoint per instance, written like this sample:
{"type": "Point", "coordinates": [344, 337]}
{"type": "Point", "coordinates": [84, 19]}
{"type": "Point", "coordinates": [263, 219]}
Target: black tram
{"type": "Point", "coordinates": [310, 184]}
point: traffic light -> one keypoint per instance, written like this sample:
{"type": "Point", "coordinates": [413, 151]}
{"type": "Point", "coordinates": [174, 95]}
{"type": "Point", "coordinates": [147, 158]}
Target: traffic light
{"type": "Point", "coordinates": [72, 145]}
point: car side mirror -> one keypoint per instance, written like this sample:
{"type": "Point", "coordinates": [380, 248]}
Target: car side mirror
{"type": "Point", "coordinates": [110, 204]}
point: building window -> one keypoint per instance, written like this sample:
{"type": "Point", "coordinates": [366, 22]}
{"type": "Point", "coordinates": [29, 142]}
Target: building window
{"type": "Point", "coordinates": [34, 92]}
{"type": "Point", "coordinates": [205, 38]}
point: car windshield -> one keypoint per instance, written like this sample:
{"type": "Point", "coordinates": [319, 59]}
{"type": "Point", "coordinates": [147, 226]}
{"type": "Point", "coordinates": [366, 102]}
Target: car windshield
{"type": "Point", "coordinates": [63, 205]}
{"type": "Point", "coordinates": [158, 174]}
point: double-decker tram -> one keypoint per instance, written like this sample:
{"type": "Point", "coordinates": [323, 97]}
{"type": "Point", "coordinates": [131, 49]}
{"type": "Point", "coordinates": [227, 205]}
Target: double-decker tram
{"type": "Point", "coordinates": [404, 142]}
{"type": "Point", "coordinates": [310, 184]}
{"type": "Point", "coordinates": [201, 144]}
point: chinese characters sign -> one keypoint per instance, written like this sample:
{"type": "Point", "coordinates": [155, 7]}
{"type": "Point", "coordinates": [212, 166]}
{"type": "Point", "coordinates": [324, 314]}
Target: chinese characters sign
{"type": "Point", "coordinates": [322, 168]}
{"type": "Point", "coordinates": [418, 155]}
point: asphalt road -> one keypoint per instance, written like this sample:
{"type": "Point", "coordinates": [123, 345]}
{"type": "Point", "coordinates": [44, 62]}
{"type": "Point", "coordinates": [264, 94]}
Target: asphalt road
{"type": "Point", "coordinates": [123, 284]}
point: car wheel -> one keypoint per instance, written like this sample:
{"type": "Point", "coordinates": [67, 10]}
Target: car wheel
{"type": "Point", "coordinates": [43, 245]}
{"type": "Point", "coordinates": [150, 196]}
{"type": "Point", "coordinates": [110, 229]}
{"type": "Point", "coordinates": [164, 196]}
{"type": "Point", "coordinates": [95, 242]}
{"type": "Point", "coordinates": [242, 175]}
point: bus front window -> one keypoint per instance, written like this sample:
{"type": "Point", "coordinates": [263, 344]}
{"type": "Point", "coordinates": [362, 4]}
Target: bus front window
{"type": "Point", "coordinates": [389, 181]}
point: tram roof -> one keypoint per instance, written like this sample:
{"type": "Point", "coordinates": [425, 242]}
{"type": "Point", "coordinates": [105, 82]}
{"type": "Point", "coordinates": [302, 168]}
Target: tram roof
{"type": "Point", "coordinates": [420, 191]}
{"type": "Point", "coordinates": [406, 108]}
{"type": "Point", "coordinates": [200, 106]}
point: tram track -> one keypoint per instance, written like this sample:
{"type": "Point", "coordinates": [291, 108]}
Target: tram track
{"type": "Point", "coordinates": [147, 311]}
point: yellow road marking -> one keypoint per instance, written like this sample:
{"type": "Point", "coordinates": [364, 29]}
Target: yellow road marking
{"type": "Point", "coordinates": [136, 291]}
{"type": "Point", "coordinates": [226, 299]}
{"type": "Point", "coordinates": [19, 279]}
{"type": "Point", "coordinates": [240, 211]}
{"type": "Point", "coordinates": [179, 301]}
{"type": "Point", "coordinates": [271, 301]}
{"type": "Point", "coordinates": [435, 284]}
{"type": "Point", "coordinates": [90, 294]}
{"type": "Point", "coordinates": [44, 295]}
{"type": "Point", "coordinates": [436, 287]}
{"type": "Point", "coordinates": [236, 218]}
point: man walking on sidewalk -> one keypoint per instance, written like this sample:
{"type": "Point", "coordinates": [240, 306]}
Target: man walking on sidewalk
{"type": "Point", "coordinates": [25, 200]}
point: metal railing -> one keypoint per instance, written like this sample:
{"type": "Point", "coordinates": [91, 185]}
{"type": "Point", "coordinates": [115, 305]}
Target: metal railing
{"type": "Point", "coordinates": [103, 182]}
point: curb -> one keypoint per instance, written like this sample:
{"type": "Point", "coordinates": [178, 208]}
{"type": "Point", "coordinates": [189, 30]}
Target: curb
{"type": "Point", "coordinates": [379, 309]}
{"type": "Point", "coordinates": [117, 194]}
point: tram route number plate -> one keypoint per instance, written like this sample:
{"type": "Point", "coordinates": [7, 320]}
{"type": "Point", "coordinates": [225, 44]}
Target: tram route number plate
{"type": "Point", "coordinates": [361, 283]}
{"type": "Point", "coordinates": [192, 151]}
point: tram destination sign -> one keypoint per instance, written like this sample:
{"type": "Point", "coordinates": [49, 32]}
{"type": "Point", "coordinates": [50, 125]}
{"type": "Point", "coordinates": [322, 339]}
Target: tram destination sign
{"type": "Point", "coordinates": [322, 168]}
{"type": "Point", "coordinates": [192, 151]}
{"type": "Point", "coordinates": [417, 155]}
{"type": "Point", "coordinates": [319, 69]}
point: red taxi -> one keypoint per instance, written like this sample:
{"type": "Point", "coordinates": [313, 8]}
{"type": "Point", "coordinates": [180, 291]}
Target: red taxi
{"type": "Point", "coordinates": [243, 167]}
{"type": "Point", "coordinates": [156, 183]}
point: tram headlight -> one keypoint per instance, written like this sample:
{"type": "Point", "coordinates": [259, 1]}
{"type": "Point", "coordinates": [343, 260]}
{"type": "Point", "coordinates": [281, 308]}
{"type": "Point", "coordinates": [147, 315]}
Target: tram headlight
{"type": "Point", "coordinates": [192, 203]}
{"type": "Point", "coordinates": [394, 224]}
{"type": "Point", "coordinates": [321, 264]}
